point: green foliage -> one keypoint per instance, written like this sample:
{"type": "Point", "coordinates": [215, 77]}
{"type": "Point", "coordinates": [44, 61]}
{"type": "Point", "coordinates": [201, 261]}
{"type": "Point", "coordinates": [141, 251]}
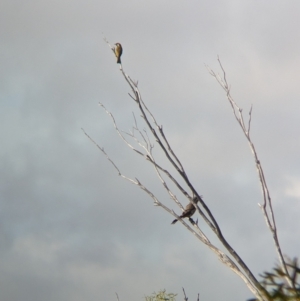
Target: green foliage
{"type": "Point", "coordinates": [161, 296]}
{"type": "Point", "coordinates": [276, 287]}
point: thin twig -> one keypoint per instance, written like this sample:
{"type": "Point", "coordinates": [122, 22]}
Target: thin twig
{"type": "Point", "coordinates": [249, 121]}
{"type": "Point", "coordinates": [185, 297]}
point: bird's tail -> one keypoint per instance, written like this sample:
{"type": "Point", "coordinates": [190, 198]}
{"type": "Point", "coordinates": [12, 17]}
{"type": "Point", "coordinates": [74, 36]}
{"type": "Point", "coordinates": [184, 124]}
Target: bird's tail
{"type": "Point", "coordinates": [174, 221]}
{"type": "Point", "coordinates": [119, 60]}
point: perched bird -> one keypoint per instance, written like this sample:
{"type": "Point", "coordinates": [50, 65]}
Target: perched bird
{"type": "Point", "coordinates": [118, 52]}
{"type": "Point", "coordinates": [188, 211]}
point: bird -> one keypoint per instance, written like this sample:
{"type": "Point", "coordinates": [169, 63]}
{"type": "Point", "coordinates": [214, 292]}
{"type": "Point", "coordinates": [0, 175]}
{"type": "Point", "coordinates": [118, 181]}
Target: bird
{"type": "Point", "coordinates": [188, 211]}
{"type": "Point", "coordinates": [118, 52]}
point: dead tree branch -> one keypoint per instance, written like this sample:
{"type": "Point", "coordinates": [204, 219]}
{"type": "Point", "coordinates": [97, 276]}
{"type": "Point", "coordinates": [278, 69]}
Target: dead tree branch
{"type": "Point", "coordinates": [266, 207]}
{"type": "Point", "coordinates": [167, 150]}
{"type": "Point", "coordinates": [144, 148]}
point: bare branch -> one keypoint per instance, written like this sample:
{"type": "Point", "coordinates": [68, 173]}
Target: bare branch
{"type": "Point", "coordinates": [203, 209]}
{"type": "Point", "coordinates": [185, 297]}
{"type": "Point", "coordinates": [179, 169]}
{"type": "Point", "coordinates": [119, 132]}
{"type": "Point", "coordinates": [148, 155]}
{"type": "Point", "coordinates": [267, 202]}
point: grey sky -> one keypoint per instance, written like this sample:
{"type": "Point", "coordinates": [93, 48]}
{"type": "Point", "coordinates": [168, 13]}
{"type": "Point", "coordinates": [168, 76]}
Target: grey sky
{"type": "Point", "coordinates": [70, 228]}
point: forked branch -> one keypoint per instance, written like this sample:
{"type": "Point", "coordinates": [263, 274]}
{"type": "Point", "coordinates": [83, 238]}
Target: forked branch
{"type": "Point", "coordinates": [144, 149]}
{"type": "Point", "coordinates": [206, 214]}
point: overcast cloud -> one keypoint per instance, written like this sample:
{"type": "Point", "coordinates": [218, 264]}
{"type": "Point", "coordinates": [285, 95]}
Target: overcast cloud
{"type": "Point", "coordinates": [70, 228]}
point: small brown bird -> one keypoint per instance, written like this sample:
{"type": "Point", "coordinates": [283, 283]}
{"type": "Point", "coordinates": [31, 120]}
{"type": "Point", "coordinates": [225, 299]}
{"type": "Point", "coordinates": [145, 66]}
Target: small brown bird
{"type": "Point", "coordinates": [118, 52]}
{"type": "Point", "coordinates": [188, 211]}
